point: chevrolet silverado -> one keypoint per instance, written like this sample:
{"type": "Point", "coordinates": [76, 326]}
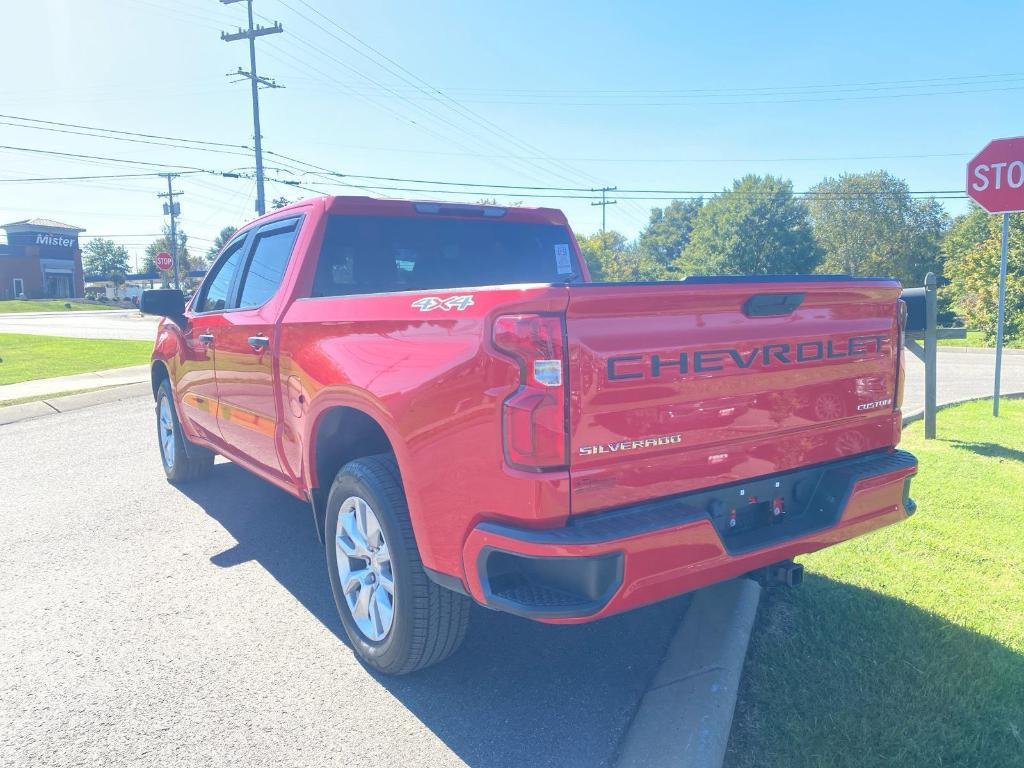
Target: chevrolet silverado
{"type": "Point", "coordinates": [471, 418]}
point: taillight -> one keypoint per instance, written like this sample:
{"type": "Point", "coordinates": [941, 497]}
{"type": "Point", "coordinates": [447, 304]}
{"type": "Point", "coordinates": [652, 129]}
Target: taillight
{"type": "Point", "coordinates": [533, 417]}
{"type": "Point", "coordinates": [901, 321]}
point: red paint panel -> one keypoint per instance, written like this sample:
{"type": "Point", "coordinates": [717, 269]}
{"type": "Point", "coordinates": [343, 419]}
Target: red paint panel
{"type": "Point", "coordinates": [735, 396]}
{"type": "Point", "coordinates": [435, 384]}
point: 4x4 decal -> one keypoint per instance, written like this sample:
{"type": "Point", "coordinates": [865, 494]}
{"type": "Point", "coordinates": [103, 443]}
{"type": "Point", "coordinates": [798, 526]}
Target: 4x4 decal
{"type": "Point", "coordinates": [434, 302]}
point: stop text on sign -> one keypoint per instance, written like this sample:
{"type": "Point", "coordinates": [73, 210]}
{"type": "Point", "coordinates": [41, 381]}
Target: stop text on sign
{"type": "Point", "coordinates": [997, 175]}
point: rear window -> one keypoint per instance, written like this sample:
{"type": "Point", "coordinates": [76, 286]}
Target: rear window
{"type": "Point", "coordinates": [378, 254]}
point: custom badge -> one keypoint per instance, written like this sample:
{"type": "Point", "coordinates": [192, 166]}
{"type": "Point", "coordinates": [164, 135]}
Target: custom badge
{"type": "Point", "coordinates": [875, 404]}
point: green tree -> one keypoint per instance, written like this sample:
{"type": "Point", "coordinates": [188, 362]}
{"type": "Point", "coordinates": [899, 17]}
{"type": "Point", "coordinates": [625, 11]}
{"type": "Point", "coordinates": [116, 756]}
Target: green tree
{"type": "Point", "coordinates": [280, 202]}
{"type": "Point", "coordinates": [668, 231]}
{"type": "Point", "coordinates": [219, 242]}
{"type": "Point", "coordinates": [972, 250]}
{"type": "Point", "coordinates": [612, 258]}
{"type": "Point", "coordinates": [164, 244]}
{"type": "Point", "coordinates": [869, 225]}
{"type": "Point", "coordinates": [106, 258]}
{"type": "Point", "coordinates": [758, 227]}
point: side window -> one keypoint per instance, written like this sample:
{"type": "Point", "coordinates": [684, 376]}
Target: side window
{"type": "Point", "coordinates": [215, 296]}
{"type": "Point", "coordinates": [271, 249]}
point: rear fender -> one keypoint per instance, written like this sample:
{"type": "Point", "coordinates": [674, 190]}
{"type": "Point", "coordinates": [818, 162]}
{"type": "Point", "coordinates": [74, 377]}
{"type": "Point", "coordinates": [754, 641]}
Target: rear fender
{"type": "Point", "coordinates": [316, 487]}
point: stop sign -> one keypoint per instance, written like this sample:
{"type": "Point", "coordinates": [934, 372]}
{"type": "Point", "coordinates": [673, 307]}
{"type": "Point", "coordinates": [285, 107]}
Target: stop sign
{"type": "Point", "coordinates": [164, 261]}
{"type": "Point", "coordinates": [995, 177]}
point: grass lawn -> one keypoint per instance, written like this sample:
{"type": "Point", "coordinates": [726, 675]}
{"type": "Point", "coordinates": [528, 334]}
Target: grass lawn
{"type": "Point", "coordinates": [977, 339]}
{"type": "Point", "coordinates": [47, 305]}
{"type": "Point", "coordinates": [28, 357]}
{"type": "Point", "coordinates": [905, 647]}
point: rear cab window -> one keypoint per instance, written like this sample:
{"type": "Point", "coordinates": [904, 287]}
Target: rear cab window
{"type": "Point", "coordinates": [381, 254]}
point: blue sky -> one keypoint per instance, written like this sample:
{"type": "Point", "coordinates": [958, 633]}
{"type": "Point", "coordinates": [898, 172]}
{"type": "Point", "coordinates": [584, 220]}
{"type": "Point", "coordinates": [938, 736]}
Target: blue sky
{"type": "Point", "coordinates": [645, 95]}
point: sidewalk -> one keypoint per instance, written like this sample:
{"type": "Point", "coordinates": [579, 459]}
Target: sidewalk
{"type": "Point", "coordinates": [43, 387]}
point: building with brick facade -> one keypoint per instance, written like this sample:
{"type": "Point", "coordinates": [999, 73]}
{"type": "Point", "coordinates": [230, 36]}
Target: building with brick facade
{"type": "Point", "coordinates": [41, 259]}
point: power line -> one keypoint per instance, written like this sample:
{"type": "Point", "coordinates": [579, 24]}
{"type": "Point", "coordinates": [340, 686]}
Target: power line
{"type": "Point", "coordinates": [822, 99]}
{"type": "Point", "coordinates": [477, 188]}
{"type": "Point", "coordinates": [742, 90]}
{"type": "Point", "coordinates": [578, 159]}
{"type": "Point", "coordinates": [121, 138]}
{"type": "Point", "coordinates": [125, 133]}
{"type": "Point", "coordinates": [85, 178]}
{"type": "Point", "coordinates": [194, 169]}
{"type": "Point", "coordinates": [434, 94]}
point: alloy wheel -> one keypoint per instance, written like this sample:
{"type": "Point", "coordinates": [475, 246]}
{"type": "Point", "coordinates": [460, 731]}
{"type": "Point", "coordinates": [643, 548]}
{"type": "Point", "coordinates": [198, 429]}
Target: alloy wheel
{"type": "Point", "coordinates": [165, 429]}
{"type": "Point", "coordinates": [364, 569]}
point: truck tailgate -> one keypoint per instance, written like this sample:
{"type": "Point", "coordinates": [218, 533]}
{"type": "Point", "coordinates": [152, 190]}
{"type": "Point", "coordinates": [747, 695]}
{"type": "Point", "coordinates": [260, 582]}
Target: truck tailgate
{"type": "Point", "coordinates": [708, 381]}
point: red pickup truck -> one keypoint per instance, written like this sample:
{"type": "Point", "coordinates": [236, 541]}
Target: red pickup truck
{"type": "Point", "coordinates": [471, 418]}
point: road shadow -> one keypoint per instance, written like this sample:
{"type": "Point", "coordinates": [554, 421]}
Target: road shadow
{"type": "Point", "coordinates": [517, 692]}
{"type": "Point", "coordinates": [843, 676]}
{"type": "Point", "coordinates": [993, 450]}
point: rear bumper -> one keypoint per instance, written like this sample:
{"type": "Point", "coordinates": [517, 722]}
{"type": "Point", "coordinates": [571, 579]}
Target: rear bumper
{"type": "Point", "coordinates": [613, 561]}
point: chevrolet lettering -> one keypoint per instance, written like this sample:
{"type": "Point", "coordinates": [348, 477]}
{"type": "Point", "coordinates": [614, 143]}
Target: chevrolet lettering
{"type": "Point", "coordinates": [765, 356]}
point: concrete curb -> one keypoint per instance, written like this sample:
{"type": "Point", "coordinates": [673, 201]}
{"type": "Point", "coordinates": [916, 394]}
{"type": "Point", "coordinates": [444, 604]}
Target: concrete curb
{"type": "Point", "coordinates": [685, 717]}
{"type": "Point", "coordinates": [918, 413]}
{"type": "Point", "coordinates": [47, 407]}
{"type": "Point", "coordinates": [53, 387]}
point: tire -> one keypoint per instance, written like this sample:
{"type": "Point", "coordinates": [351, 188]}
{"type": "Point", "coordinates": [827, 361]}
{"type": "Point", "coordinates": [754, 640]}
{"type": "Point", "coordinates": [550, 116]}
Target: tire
{"type": "Point", "coordinates": [179, 465]}
{"type": "Point", "coordinates": [427, 622]}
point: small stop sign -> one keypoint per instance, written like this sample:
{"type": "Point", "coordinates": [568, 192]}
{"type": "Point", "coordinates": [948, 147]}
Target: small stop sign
{"type": "Point", "coordinates": [995, 177]}
{"type": "Point", "coordinates": [164, 261]}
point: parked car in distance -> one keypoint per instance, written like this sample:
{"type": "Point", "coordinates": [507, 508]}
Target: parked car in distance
{"type": "Point", "coordinates": [471, 418]}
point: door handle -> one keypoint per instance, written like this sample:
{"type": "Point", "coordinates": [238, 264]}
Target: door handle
{"type": "Point", "coordinates": [206, 338]}
{"type": "Point", "coordinates": [259, 342]}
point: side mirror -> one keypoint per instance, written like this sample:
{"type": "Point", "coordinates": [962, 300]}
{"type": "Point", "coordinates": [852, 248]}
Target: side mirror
{"type": "Point", "coordinates": [167, 302]}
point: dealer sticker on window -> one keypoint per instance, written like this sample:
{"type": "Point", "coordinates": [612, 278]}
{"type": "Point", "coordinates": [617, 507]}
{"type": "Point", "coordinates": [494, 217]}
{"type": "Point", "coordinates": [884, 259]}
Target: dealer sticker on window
{"type": "Point", "coordinates": [563, 262]}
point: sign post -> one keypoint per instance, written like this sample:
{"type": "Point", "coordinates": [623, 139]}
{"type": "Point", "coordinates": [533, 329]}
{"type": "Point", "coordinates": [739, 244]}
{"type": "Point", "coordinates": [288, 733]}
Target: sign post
{"type": "Point", "coordinates": [995, 181]}
{"type": "Point", "coordinates": [1001, 312]}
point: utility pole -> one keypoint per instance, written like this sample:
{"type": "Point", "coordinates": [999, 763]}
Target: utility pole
{"type": "Point", "coordinates": [172, 209]}
{"type": "Point", "coordinates": [251, 34]}
{"type": "Point", "coordinates": [605, 202]}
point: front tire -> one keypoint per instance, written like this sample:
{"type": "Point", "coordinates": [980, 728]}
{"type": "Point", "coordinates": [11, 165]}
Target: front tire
{"type": "Point", "coordinates": [396, 618]}
{"type": "Point", "coordinates": [179, 466]}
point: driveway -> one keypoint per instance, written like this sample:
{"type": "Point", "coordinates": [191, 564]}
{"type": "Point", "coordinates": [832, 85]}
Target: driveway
{"type": "Point", "coordinates": [147, 625]}
{"type": "Point", "coordinates": [101, 324]}
{"type": "Point", "coordinates": [961, 374]}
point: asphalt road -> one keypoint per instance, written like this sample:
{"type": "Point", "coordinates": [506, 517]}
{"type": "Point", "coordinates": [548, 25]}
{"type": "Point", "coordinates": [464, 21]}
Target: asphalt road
{"type": "Point", "coordinates": [145, 625]}
{"type": "Point", "coordinates": [100, 324]}
{"type": "Point", "coordinates": [961, 374]}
